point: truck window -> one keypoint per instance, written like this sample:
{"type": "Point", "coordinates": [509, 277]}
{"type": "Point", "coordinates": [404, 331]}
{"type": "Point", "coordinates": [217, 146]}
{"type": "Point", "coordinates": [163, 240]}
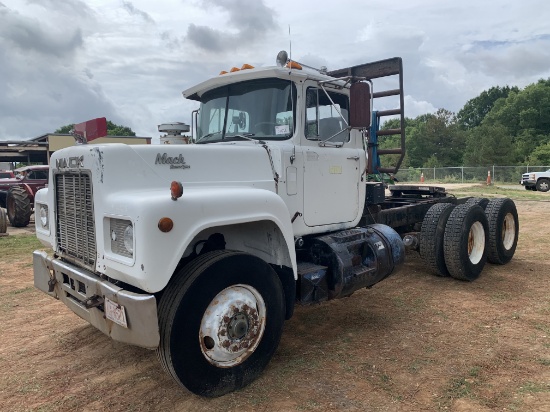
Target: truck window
{"type": "Point", "coordinates": [37, 175]}
{"type": "Point", "coordinates": [262, 109]}
{"type": "Point", "coordinates": [322, 117]}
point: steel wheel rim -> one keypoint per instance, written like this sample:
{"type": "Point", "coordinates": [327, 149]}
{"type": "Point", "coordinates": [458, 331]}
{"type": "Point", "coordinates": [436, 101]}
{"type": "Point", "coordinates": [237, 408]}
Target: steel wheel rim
{"type": "Point", "coordinates": [476, 242]}
{"type": "Point", "coordinates": [508, 231]}
{"type": "Point", "coordinates": [232, 326]}
{"type": "Point", "coordinates": [544, 185]}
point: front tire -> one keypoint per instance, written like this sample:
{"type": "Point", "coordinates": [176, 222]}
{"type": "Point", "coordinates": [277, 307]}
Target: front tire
{"type": "Point", "coordinates": [220, 322]}
{"type": "Point", "coordinates": [543, 185]}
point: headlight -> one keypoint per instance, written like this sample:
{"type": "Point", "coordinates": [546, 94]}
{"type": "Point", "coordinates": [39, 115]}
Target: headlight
{"type": "Point", "coordinates": [129, 238]}
{"type": "Point", "coordinates": [121, 234]}
{"type": "Point", "coordinates": [43, 212]}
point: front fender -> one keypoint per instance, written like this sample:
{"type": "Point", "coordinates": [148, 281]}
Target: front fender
{"type": "Point", "coordinates": [199, 211]}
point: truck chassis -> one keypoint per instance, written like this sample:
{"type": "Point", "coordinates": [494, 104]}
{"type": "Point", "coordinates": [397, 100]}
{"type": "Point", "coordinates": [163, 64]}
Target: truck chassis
{"type": "Point", "coordinates": [207, 274]}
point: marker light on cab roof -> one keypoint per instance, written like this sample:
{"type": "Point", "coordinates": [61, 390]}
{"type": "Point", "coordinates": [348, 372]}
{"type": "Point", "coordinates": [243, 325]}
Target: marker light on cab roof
{"type": "Point", "coordinates": [294, 65]}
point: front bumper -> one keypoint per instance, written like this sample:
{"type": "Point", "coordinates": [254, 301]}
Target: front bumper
{"type": "Point", "coordinates": [84, 293]}
{"type": "Point", "coordinates": [528, 183]}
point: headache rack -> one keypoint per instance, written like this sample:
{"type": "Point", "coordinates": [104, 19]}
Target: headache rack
{"type": "Point", "coordinates": [376, 70]}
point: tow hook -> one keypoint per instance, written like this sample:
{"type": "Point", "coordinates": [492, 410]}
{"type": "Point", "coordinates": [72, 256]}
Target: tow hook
{"type": "Point", "coordinates": [93, 301]}
{"type": "Point", "coordinates": [51, 284]}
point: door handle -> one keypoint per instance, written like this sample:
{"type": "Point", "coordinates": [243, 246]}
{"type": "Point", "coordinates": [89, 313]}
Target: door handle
{"type": "Point", "coordinates": [353, 158]}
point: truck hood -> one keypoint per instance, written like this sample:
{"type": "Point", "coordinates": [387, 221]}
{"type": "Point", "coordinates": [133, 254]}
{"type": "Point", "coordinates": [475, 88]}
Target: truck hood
{"type": "Point", "coordinates": [127, 167]}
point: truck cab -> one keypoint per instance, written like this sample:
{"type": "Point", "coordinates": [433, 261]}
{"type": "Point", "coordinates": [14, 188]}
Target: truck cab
{"type": "Point", "coordinates": [301, 118]}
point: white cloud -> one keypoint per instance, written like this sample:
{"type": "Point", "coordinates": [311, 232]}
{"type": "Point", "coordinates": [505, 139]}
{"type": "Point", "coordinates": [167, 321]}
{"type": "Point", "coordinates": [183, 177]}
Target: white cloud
{"type": "Point", "coordinates": [414, 108]}
{"type": "Point", "coordinates": [69, 60]}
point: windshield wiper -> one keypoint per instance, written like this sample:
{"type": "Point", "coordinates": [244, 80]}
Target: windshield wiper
{"type": "Point", "coordinates": [246, 136]}
{"type": "Point", "coordinates": [206, 136]}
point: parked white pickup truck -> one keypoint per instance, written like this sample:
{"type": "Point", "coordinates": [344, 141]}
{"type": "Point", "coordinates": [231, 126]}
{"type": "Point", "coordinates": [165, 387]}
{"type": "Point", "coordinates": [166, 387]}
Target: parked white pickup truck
{"type": "Point", "coordinates": [536, 181]}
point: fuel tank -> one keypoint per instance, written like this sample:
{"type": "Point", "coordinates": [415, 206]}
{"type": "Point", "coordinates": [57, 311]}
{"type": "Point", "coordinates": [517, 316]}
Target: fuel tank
{"type": "Point", "coordinates": [337, 264]}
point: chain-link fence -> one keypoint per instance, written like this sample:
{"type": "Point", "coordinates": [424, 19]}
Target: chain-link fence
{"type": "Point", "coordinates": [499, 174]}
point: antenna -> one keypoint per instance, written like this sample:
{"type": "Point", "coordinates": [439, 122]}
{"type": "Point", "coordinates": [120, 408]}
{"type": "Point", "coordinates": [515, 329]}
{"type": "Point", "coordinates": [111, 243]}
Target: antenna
{"type": "Point", "coordinates": [290, 47]}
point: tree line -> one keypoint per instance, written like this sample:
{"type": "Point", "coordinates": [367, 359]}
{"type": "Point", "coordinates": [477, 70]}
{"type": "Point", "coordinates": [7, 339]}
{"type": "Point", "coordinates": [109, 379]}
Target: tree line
{"type": "Point", "coordinates": [501, 126]}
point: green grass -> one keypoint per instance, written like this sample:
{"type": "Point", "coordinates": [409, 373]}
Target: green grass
{"type": "Point", "coordinates": [495, 191]}
{"type": "Point", "coordinates": [14, 247]}
{"type": "Point", "coordinates": [24, 290]}
{"type": "Point", "coordinates": [460, 388]}
{"type": "Point", "coordinates": [534, 387]}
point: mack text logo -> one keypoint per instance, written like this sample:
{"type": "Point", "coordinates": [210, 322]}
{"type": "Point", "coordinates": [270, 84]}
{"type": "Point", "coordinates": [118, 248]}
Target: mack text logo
{"type": "Point", "coordinates": [176, 162]}
{"type": "Point", "coordinates": [70, 163]}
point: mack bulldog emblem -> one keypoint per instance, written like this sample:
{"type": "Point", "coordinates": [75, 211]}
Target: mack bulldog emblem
{"type": "Point", "coordinates": [70, 163]}
{"type": "Point", "coordinates": [175, 162]}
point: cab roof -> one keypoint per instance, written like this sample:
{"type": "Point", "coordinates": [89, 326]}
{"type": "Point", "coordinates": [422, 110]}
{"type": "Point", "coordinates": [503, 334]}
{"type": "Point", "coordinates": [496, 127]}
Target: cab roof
{"type": "Point", "coordinates": [195, 92]}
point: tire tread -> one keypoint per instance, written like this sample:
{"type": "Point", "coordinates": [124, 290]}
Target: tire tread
{"type": "Point", "coordinates": [3, 221]}
{"type": "Point", "coordinates": [456, 233]}
{"type": "Point", "coordinates": [431, 240]}
{"type": "Point", "coordinates": [21, 216]}
{"type": "Point", "coordinates": [494, 212]}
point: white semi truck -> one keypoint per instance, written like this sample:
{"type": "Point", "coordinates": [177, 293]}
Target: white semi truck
{"type": "Point", "coordinates": [201, 251]}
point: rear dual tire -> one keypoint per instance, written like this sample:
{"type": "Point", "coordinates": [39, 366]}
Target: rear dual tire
{"type": "Point", "coordinates": [453, 239]}
{"type": "Point", "coordinates": [457, 241]}
{"type": "Point", "coordinates": [465, 241]}
{"type": "Point", "coordinates": [431, 237]}
{"type": "Point", "coordinates": [481, 201]}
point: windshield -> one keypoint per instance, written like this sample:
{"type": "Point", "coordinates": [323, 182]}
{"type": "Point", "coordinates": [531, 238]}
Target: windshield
{"type": "Point", "coordinates": [257, 109]}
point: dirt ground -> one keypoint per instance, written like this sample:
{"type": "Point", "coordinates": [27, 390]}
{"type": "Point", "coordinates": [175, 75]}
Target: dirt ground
{"type": "Point", "coordinates": [414, 342]}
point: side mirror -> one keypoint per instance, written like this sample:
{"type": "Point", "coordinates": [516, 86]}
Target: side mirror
{"type": "Point", "coordinates": [360, 106]}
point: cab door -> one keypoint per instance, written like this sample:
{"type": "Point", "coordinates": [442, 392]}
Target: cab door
{"type": "Point", "coordinates": [333, 161]}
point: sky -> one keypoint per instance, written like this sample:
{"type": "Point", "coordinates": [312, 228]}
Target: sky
{"type": "Point", "coordinates": [67, 61]}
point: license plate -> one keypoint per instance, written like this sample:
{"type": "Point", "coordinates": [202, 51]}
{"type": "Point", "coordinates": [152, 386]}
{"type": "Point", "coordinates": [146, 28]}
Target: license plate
{"type": "Point", "coordinates": [115, 312]}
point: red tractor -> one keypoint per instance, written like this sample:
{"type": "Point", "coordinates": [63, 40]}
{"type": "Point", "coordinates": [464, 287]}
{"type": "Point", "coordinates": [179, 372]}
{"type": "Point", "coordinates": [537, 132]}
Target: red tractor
{"type": "Point", "coordinates": [17, 194]}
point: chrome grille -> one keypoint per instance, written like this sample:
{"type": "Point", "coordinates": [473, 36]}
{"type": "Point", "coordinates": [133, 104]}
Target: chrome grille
{"type": "Point", "coordinates": [75, 217]}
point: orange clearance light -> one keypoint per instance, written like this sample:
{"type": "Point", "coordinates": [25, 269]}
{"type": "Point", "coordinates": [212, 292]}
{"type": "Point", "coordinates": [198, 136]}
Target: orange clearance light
{"type": "Point", "coordinates": [294, 65]}
{"type": "Point", "coordinates": [176, 190]}
{"type": "Point", "coordinates": [223, 72]}
{"type": "Point", "coordinates": [247, 66]}
{"type": "Point", "coordinates": [166, 224]}
{"type": "Point", "coordinates": [234, 69]}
